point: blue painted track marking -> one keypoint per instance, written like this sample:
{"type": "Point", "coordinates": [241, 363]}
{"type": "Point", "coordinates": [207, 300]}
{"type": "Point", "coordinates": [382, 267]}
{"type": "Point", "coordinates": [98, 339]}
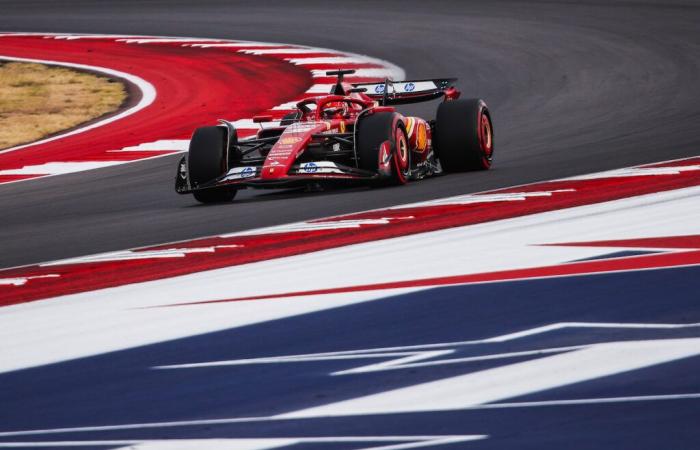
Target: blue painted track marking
{"type": "Point", "coordinates": [122, 387]}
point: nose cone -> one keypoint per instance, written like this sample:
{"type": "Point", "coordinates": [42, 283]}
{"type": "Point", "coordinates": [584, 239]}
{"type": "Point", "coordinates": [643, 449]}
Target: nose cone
{"type": "Point", "coordinates": [290, 145]}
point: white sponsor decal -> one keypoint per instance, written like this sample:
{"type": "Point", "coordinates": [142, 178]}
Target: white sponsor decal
{"type": "Point", "coordinates": [241, 172]}
{"type": "Point", "coordinates": [401, 87]}
{"type": "Point", "coordinates": [309, 167]}
{"type": "Point", "coordinates": [318, 167]}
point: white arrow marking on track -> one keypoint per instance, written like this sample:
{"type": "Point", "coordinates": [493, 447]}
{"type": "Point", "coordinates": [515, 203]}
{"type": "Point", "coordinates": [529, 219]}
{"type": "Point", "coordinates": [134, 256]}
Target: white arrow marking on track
{"type": "Point", "coordinates": [486, 386]}
{"type": "Point", "coordinates": [425, 355]}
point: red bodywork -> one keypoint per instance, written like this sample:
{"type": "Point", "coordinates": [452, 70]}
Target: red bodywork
{"type": "Point", "coordinates": [311, 146]}
{"type": "Point", "coordinates": [319, 118]}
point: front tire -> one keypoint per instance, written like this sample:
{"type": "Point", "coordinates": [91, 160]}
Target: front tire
{"type": "Point", "coordinates": [216, 195]}
{"type": "Point", "coordinates": [463, 138]}
{"type": "Point", "coordinates": [207, 161]}
{"type": "Point", "coordinates": [382, 146]}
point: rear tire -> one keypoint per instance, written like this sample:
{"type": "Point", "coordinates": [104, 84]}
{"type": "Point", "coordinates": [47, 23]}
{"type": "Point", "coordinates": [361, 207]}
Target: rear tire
{"type": "Point", "coordinates": [373, 131]}
{"type": "Point", "coordinates": [463, 138]}
{"type": "Point", "coordinates": [206, 161]}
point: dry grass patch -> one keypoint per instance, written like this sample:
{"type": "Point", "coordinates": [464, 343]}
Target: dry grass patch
{"type": "Point", "coordinates": [38, 100]}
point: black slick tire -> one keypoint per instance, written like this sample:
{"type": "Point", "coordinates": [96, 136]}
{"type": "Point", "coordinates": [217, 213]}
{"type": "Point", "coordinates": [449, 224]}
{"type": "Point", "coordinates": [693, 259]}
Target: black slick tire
{"type": "Point", "coordinates": [372, 131]}
{"type": "Point", "coordinates": [206, 161]}
{"type": "Point", "coordinates": [463, 138]}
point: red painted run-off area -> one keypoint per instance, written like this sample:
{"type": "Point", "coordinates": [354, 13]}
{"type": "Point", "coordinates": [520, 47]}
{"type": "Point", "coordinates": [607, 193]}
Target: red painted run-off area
{"type": "Point", "coordinates": [218, 252]}
{"type": "Point", "coordinates": [194, 87]}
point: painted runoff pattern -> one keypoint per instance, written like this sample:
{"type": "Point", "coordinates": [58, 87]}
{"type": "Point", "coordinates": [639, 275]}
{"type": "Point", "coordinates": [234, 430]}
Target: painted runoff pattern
{"type": "Point", "coordinates": [112, 269]}
{"type": "Point", "coordinates": [553, 315]}
{"type": "Point", "coordinates": [175, 85]}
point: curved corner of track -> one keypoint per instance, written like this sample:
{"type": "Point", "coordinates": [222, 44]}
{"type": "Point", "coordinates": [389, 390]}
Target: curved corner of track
{"type": "Point", "coordinates": [182, 83]}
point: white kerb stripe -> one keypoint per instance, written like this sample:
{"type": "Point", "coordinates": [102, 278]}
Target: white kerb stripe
{"type": "Point", "coordinates": [234, 45]}
{"type": "Point", "coordinates": [283, 51]}
{"type": "Point", "coordinates": [73, 37]}
{"type": "Point", "coordinates": [320, 89]}
{"type": "Point", "coordinates": [243, 124]}
{"type": "Point", "coordinates": [638, 172]}
{"type": "Point", "coordinates": [163, 144]}
{"type": "Point", "coordinates": [60, 168]}
{"type": "Point", "coordinates": [327, 60]}
{"type": "Point", "coordinates": [160, 40]}
{"type": "Point", "coordinates": [359, 73]}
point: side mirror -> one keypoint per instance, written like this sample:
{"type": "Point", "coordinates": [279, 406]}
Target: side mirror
{"type": "Point", "coordinates": [261, 119]}
{"type": "Point", "coordinates": [452, 93]}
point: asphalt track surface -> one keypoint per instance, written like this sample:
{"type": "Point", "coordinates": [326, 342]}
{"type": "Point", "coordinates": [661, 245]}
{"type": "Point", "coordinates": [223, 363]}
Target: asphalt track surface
{"type": "Point", "coordinates": [574, 87]}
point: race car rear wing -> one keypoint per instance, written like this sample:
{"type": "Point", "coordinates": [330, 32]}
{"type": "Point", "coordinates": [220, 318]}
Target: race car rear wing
{"type": "Point", "coordinates": [391, 92]}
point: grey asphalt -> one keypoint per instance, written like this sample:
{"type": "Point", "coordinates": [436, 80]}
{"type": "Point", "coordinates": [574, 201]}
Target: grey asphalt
{"type": "Point", "coordinates": [574, 87]}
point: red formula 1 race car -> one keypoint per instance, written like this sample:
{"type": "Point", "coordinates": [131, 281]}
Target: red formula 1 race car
{"type": "Point", "coordinates": [353, 134]}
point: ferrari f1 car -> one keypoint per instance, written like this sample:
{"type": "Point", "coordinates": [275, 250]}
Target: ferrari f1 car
{"type": "Point", "coordinates": [353, 134]}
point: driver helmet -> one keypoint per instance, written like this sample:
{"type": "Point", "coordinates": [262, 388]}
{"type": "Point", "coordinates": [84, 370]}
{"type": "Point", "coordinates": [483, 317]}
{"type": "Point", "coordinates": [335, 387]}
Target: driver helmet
{"type": "Point", "coordinates": [335, 110]}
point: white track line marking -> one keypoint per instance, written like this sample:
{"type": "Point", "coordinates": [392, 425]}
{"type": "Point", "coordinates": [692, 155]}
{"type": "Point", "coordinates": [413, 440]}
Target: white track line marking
{"type": "Point", "coordinates": [589, 401]}
{"type": "Point", "coordinates": [638, 172]}
{"type": "Point", "coordinates": [484, 198]}
{"type": "Point", "coordinates": [231, 420]}
{"type": "Point", "coordinates": [404, 360]}
{"type": "Point", "coordinates": [409, 355]}
{"type": "Point", "coordinates": [407, 442]}
{"type": "Point", "coordinates": [514, 380]}
{"type": "Point", "coordinates": [316, 226]}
